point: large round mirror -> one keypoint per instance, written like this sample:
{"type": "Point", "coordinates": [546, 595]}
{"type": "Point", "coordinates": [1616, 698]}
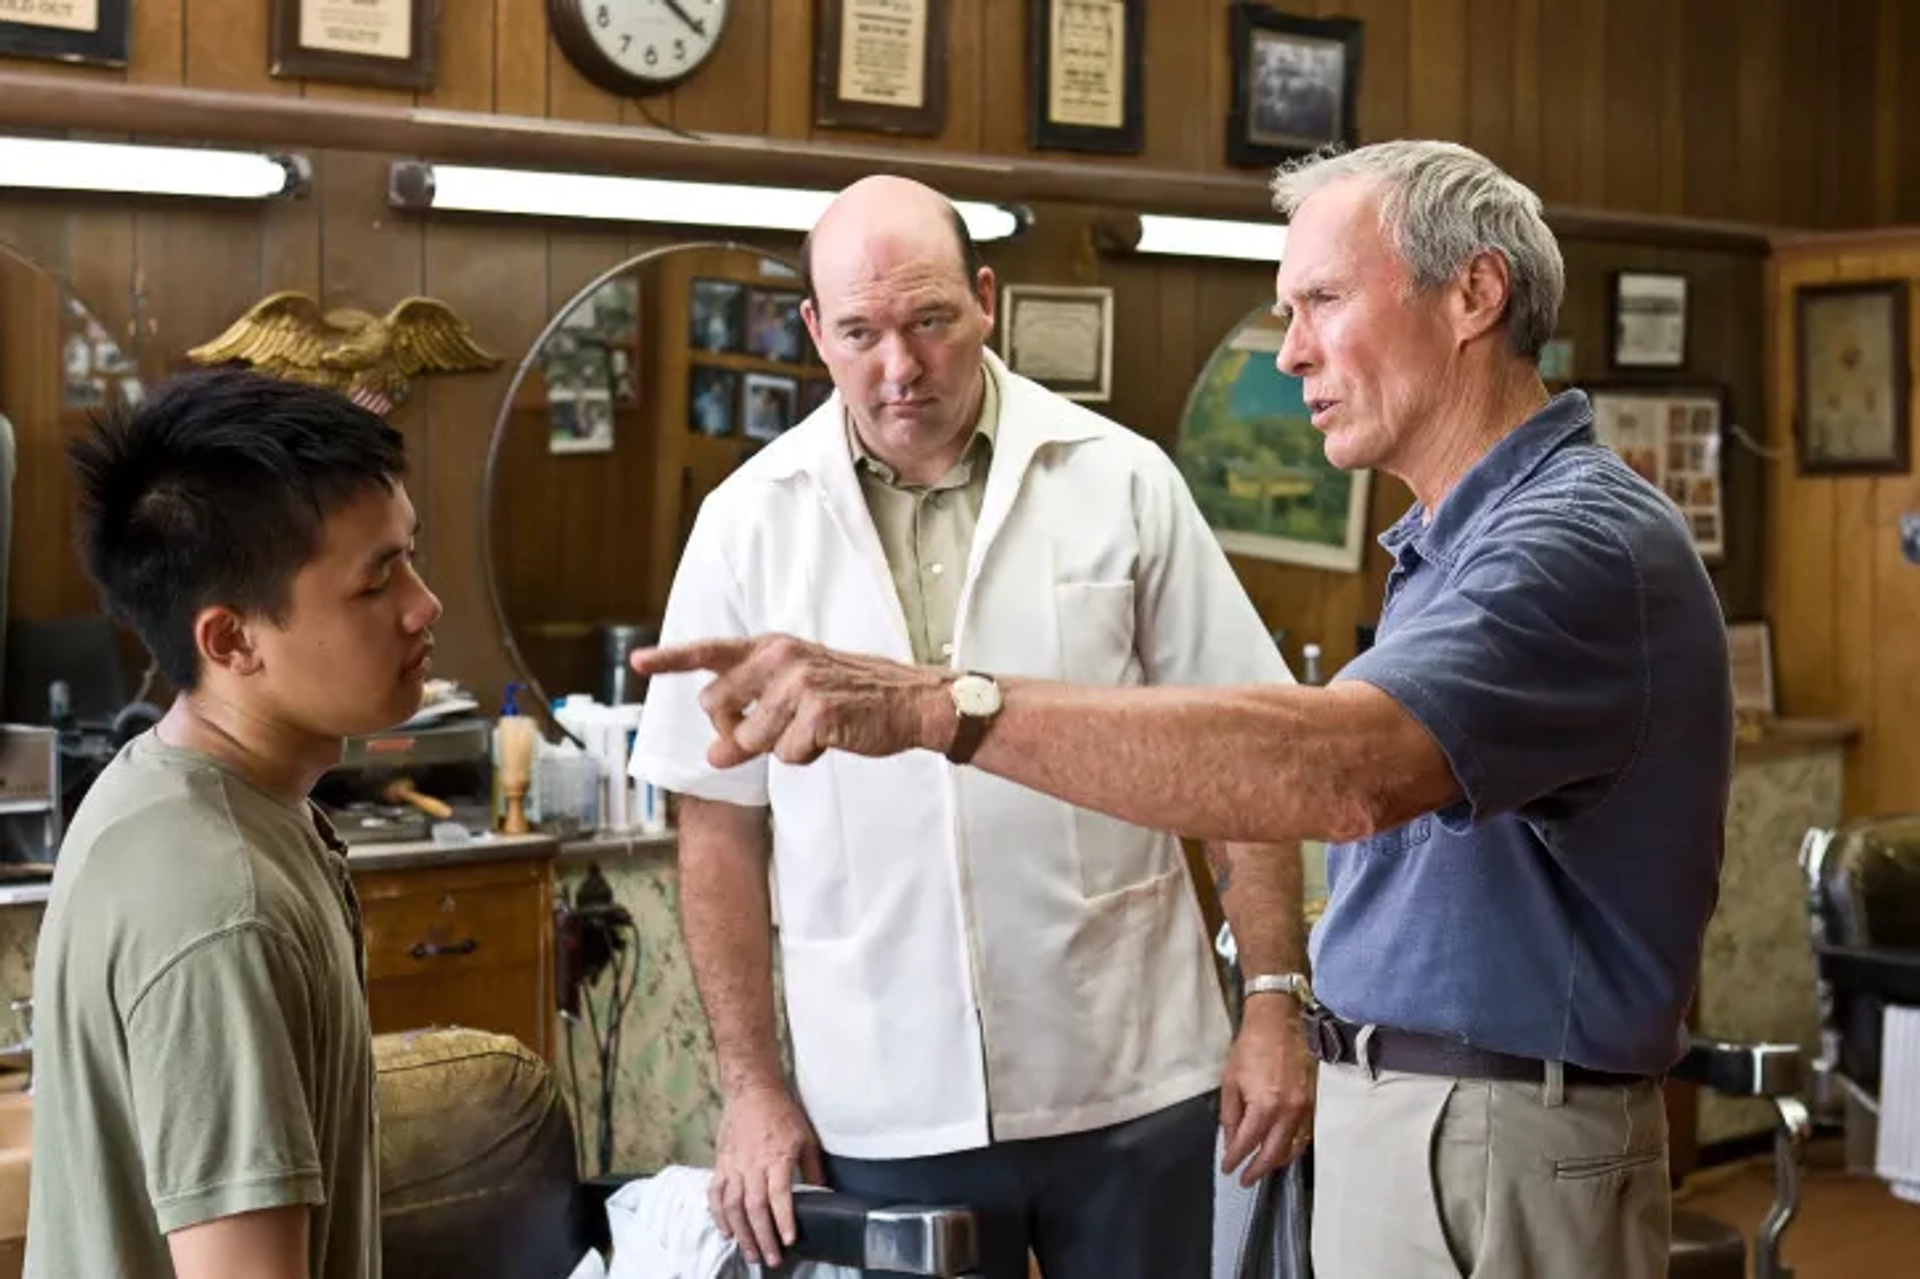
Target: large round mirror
{"type": "Point", "coordinates": [644, 391]}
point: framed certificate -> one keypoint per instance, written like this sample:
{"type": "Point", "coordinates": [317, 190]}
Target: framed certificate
{"type": "Point", "coordinates": [1084, 75]}
{"type": "Point", "coordinates": [93, 32]}
{"type": "Point", "coordinates": [379, 42]}
{"type": "Point", "coordinates": [881, 65]}
{"type": "Point", "coordinates": [1061, 336]}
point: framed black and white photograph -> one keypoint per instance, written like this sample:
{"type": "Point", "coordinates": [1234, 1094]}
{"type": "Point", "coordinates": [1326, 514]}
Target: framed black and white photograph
{"type": "Point", "coordinates": [717, 316]}
{"type": "Point", "coordinates": [768, 404]}
{"type": "Point", "coordinates": [1648, 320]}
{"type": "Point", "coordinates": [89, 32]}
{"type": "Point", "coordinates": [774, 328]}
{"type": "Point", "coordinates": [712, 394]}
{"type": "Point", "coordinates": [1061, 336]}
{"type": "Point", "coordinates": [1295, 82]}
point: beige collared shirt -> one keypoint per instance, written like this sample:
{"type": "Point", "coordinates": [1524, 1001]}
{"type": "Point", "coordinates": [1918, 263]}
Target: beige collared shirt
{"type": "Point", "coordinates": [927, 532]}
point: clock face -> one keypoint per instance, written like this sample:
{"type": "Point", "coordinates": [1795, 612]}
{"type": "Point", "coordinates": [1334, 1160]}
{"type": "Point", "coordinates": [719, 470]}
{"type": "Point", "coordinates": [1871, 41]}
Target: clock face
{"type": "Point", "coordinates": [652, 43]}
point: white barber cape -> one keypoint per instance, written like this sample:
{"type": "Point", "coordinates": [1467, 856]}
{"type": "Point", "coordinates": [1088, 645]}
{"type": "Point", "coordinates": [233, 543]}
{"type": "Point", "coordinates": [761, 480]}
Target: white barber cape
{"type": "Point", "coordinates": [965, 960]}
{"type": "Point", "coordinates": [661, 1228]}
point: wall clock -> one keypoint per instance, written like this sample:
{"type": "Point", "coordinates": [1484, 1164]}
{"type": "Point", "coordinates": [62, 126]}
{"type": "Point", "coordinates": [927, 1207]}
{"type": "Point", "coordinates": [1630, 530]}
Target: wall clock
{"type": "Point", "coordinates": [637, 47]}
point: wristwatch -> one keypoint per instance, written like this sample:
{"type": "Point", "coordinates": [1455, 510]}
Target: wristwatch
{"type": "Point", "coordinates": [976, 700]}
{"type": "Point", "coordinates": [1294, 984]}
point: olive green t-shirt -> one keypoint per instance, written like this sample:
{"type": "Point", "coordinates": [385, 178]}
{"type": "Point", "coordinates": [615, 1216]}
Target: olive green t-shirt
{"type": "Point", "coordinates": [200, 1026]}
{"type": "Point", "coordinates": [927, 532]}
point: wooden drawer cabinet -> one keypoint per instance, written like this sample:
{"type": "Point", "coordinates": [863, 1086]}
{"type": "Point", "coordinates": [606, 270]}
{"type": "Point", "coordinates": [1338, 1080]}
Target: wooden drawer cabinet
{"type": "Point", "coordinates": [465, 944]}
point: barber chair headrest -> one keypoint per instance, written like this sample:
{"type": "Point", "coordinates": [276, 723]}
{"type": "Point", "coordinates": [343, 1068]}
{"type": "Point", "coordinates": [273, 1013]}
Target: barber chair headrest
{"type": "Point", "coordinates": [1867, 884]}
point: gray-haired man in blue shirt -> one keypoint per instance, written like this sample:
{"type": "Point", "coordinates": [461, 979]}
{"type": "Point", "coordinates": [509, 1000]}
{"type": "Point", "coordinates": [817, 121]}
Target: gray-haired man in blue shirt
{"type": "Point", "coordinates": [1526, 776]}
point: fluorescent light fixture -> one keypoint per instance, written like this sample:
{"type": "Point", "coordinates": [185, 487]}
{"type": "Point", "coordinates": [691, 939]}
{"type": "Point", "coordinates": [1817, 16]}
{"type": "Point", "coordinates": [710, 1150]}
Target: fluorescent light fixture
{"type": "Point", "coordinates": [1211, 238]}
{"type": "Point", "coordinates": [49, 164]}
{"type": "Point", "coordinates": [467, 189]}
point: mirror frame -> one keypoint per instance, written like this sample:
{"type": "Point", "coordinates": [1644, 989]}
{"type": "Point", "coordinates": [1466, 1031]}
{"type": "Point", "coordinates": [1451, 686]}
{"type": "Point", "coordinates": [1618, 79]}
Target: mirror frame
{"type": "Point", "coordinates": [542, 713]}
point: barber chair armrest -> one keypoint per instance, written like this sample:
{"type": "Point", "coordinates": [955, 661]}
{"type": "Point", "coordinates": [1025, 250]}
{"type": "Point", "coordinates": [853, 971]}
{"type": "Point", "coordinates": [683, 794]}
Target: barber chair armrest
{"type": "Point", "coordinates": [847, 1230]}
{"type": "Point", "coordinates": [1888, 974]}
{"type": "Point", "coordinates": [1744, 1070]}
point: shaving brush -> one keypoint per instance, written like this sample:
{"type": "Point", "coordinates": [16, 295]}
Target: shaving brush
{"type": "Point", "coordinates": [516, 738]}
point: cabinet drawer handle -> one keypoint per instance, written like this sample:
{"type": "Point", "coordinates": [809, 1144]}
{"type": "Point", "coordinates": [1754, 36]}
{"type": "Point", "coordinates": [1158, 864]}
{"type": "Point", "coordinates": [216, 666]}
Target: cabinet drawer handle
{"type": "Point", "coordinates": [428, 949]}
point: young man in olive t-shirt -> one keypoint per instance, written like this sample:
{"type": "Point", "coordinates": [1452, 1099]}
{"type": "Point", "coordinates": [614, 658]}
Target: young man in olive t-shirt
{"type": "Point", "coordinates": [203, 1076]}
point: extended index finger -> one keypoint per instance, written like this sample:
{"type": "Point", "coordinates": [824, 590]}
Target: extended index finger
{"type": "Point", "coordinates": [716, 655]}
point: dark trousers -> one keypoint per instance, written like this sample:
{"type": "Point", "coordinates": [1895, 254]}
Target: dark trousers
{"type": "Point", "coordinates": [1134, 1201]}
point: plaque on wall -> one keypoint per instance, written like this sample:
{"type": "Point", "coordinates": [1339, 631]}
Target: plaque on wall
{"type": "Point", "coordinates": [881, 65]}
{"type": "Point", "coordinates": [388, 43]}
{"type": "Point", "coordinates": [93, 32]}
{"type": "Point", "coordinates": [1084, 89]}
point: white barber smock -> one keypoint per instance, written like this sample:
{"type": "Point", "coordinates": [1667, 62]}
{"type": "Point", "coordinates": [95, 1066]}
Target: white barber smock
{"type": "Point", "coordinates": [966, 960]}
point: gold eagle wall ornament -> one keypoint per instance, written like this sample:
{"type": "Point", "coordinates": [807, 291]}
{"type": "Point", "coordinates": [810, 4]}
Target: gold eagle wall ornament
{"type": "Point", "coordinates": [369, 358]}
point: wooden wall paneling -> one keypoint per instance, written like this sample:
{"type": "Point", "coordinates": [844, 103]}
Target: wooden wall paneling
{"type": "Point", "coordinates": [1587, 22]}
{"type": "Point", "coordinates": [43, 563]}
{"type": "Point", "coordinates": [1437, 79]}
{"type": "Point", "coordinates": [1562, 54]}
{"type": "Point", "coordinates": [157, 42]}
{"type": "Point", "coordinates": [1885, 27]}
{"type": "Point", "coordinates": [1489, 65]}
{"type": "Point", "coordinates": [790, 71]}
{"type": "Point", "coordinates": [1004, 107]}
{"type": "Point", "coordinates": [1713, 127]}
{"type": "Point", "coordinates": [466, 56]}
{"type": "Point", "coordinates": [1180, 69]}
{"type": "Point", "coordinates": [1907, 91]}
{"type": "Point", "coordinates": [486, 274]}
{"type": "Point", "coordinates": [226, 47]}
{"type": "Point", "coordinates": [1761, 128]}
{"type": "Point", "coordinates": [1635, 60]}
{"type": "Point", "coordinates": [1219, 53]}
{"type": "Point", "coordinates": [1529, 135]}
{"type": "Point", "coordinates": [1672, 22]}
{"type": "Point", "coordinates": [729, 94]}
{"type": "Point", "coordinates": [521, 53]}
{"type": "Point", "coordinates": [101, 272]}
{"type": "Point", "coordinates": [570, 95]}
{"type": "Point", "coordinates": [1801, 587]}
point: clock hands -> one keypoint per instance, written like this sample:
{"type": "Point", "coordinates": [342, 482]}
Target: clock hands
{"type": "Point", "coordinates": [694, 24]}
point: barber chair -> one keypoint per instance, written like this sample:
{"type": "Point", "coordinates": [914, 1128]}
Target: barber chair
{"type": "Point", "coordinates": [1863, 908]}
{"type": "Point", "coordinates": [479, 1177]}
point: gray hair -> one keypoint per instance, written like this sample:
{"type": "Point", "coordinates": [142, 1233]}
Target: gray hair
{"type": "Point", "coordinates": [1440, 204]}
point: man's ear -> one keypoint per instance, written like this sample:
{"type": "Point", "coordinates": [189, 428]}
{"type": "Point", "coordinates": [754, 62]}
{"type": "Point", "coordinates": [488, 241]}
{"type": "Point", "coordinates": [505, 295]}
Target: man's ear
{"type": "Point", "coordinates": [986, 293]}
{"type": "Point", "coordinates": [1480, 295]}
{"type": "Point", "coordinates": [810, 315]}
{"type": "Point", "coordinates": [225, 641]}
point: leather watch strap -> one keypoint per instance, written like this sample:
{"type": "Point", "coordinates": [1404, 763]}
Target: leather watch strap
{"type": "Point", "coordinates": [967, 735]}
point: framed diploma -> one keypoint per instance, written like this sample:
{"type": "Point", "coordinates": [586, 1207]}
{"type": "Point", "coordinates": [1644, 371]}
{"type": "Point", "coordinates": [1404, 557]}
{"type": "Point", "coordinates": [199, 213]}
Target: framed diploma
{"type": "Point", "coordinates": [1060, 336]}
{"type": "Point", "coordinates": [379, 42]}
{"type": "Point", "coordinates": [93, 32]}
{"type": "Point", "coordinates": [1084, 75]}
{"type": "Point", "coordinates": [881, 65]}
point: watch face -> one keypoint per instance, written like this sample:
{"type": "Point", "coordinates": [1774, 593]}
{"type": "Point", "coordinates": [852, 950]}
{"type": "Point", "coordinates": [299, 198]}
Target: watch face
{"type": "Point", "coordinates": [655, 39]}
{"type": "Point", "coordinates": [976, 695]}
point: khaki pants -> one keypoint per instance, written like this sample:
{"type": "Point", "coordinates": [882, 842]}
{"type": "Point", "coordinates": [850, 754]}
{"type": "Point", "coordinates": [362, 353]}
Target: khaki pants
{"type": "Point", "coordinates": [1418, 1175]}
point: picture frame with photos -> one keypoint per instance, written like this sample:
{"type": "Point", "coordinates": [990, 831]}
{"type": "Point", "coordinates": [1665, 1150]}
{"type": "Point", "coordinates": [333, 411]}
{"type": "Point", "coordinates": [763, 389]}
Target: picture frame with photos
{"type": "Point", "coordinates": [1647, 320]}
{"type": "Point", "coordinates": [1295, 84]}
{"type": "Point", "coordinates": [1851, 376]}
{"type": "Point", "coordinates": [717, 316]}
{"type": "Point", "coordinates": [385, 43]}
{"type": "Point", "coordinates": [1750, 655]}
{"type": "Point", "coordinates": [769, 404]}
{"type": "Point", "coordinates": [713, 400]}
{"type": "Point", "coordinates": [1672, 437]}
{"type": "Point", "coordinates": [1060, 336]}
{"type": "Point", "coordinates": [774, 330]}
{"type": "Point", "coordinates": [1086, 76]}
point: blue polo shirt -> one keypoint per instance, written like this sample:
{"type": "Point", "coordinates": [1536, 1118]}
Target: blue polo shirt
{"type": "Point", "coordinates": [1553, 629]}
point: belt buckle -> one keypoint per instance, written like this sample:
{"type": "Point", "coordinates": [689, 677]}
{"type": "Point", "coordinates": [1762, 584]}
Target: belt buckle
{"type": "Point", "coordinates": [1324, 1039]}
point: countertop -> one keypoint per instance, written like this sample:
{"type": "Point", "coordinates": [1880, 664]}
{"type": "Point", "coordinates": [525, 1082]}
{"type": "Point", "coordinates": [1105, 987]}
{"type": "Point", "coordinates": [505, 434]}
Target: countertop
{"type": "Point", "coordinates": [1772, 737]}
{"type": "Point", "coordinates": [411, 854]}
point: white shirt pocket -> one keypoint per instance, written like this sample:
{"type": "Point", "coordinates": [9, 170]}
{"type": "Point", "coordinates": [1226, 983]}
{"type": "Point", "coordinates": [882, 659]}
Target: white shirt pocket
{"type": "Point", "coordinates": [1096, 628]}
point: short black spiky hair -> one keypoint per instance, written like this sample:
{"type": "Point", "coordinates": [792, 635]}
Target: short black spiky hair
{"type": "Point", "coordinates": [214, 490]}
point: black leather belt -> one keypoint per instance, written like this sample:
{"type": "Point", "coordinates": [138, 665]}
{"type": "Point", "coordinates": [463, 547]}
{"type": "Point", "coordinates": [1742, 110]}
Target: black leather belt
{"type": "Point", "coordinates": [1335, 1041]}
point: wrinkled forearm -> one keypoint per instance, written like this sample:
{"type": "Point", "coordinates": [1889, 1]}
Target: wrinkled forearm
{"type": "Point", "coordinates": [1260, 892]}
{"type": "Point", "coordinates": [726, 918]}
{"type": "Point", "coordinates": [1267, 764]}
